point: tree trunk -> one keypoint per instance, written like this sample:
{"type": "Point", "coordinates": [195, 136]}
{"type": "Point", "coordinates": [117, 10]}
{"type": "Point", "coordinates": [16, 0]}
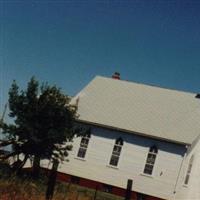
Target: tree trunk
{"type": "Point", "coordinates": [52, 180]}
{"type": "Point", "coordinates": [36, 167]}
{"type": "Point", "coordinates": [18, 165]}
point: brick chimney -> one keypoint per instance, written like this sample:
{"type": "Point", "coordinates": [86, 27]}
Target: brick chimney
{"type": "Point", "coordinates": [116, 75]}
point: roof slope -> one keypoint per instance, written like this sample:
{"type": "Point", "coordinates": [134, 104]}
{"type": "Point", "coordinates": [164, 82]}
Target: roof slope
{"type": "Point", "coordinates": [141, 109]}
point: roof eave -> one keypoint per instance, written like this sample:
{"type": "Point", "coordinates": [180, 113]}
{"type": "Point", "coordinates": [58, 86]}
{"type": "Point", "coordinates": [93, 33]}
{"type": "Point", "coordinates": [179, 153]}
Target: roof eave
{"type": "Point", "coordinates": [132, 132]}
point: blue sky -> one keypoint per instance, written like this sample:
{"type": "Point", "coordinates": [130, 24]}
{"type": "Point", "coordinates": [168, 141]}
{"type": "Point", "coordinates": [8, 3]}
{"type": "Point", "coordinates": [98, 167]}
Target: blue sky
{"type": "Point", "coordinates": [67, 43]}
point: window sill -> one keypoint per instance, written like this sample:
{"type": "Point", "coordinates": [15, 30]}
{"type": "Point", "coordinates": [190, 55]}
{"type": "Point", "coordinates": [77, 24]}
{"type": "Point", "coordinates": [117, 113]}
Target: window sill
{"type": "Point", "coordinates": [81, 159]}
{"type": "Point", "coordinates": [113, 167]}
{"type": "Point", "coordinates": [146, 175]}
{"type": "Point", "coordinates": [185, 185]}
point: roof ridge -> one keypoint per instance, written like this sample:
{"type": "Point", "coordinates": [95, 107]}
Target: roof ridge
{"type": "Point", "coordinates": [148, 85]}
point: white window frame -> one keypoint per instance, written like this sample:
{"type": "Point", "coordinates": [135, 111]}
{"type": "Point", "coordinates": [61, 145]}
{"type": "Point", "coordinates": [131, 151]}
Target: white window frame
{"type": "Point", "coordinates": [83, 146]}
{"type": "Point", "coordinates": [116, 152]}
{"type": "Point", "coordinates": [150, 160]}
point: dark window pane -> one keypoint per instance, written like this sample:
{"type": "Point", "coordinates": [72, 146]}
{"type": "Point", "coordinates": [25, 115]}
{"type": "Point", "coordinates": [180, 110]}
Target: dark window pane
{"type": "Point", "coordinates": [88, 135]}
{"type": "Point", "coordinates": [116, 150]}
{"type": "Point", "coordinates": [119, 141]}
{"type": "Point", "coordinates": [84, 141]}
{"type": "Point", "coordinates": [151, 158]}
{"type": "Point", "coordinates": [189, 170]}
{"type": "Point", "coordinates": [154, 149]}
{"type": "Point", "coordinates": [187, 179]}
{"type": "Point", "coordinates": [114, 160]}
{"type": "Point", "coordinates": [148, 169]}
{"type": "Point", "coordinates": [81, 152]}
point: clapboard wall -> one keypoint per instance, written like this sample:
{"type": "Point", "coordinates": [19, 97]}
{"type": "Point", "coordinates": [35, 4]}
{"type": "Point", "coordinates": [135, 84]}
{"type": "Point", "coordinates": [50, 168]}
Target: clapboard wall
{"type": "Point", "coordinates": [191, 190]}
{"type": "Point", "coordinates": [95, 166]}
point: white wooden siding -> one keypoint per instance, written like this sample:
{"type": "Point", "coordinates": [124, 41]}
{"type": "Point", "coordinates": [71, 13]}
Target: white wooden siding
{"type": "Point", "coordinates": [190, 191]}
{"type": "Point", "coordinates": [95, 165]}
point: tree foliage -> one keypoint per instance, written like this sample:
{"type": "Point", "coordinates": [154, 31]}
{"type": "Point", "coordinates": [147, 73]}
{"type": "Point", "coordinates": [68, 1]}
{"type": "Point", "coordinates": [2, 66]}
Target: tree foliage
{"type": "Point", "coordinates": [43, 125]}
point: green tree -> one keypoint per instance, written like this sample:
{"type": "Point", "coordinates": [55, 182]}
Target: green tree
{"type": "Point", "coordinates": [44, 124]}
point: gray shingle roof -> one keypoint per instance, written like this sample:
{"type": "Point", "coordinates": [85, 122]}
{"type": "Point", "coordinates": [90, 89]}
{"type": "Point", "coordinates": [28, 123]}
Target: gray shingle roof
{"type": "Point", "coordinates": [140, 109]}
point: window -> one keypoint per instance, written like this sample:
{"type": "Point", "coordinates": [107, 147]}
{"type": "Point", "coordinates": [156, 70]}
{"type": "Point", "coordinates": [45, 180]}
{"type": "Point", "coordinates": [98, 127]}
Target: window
{"type": "Point", "coordinates": [116, 152]}
{"type": "Point", "coordinates": [83, 146]}
{"type": "Point", "coordinates": [189, 170]}
{"type": "Point", "coordinates": [151, 157]}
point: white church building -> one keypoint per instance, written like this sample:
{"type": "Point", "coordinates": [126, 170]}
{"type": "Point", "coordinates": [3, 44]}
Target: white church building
{"type": "Point", "coordinates": [144, 135]}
